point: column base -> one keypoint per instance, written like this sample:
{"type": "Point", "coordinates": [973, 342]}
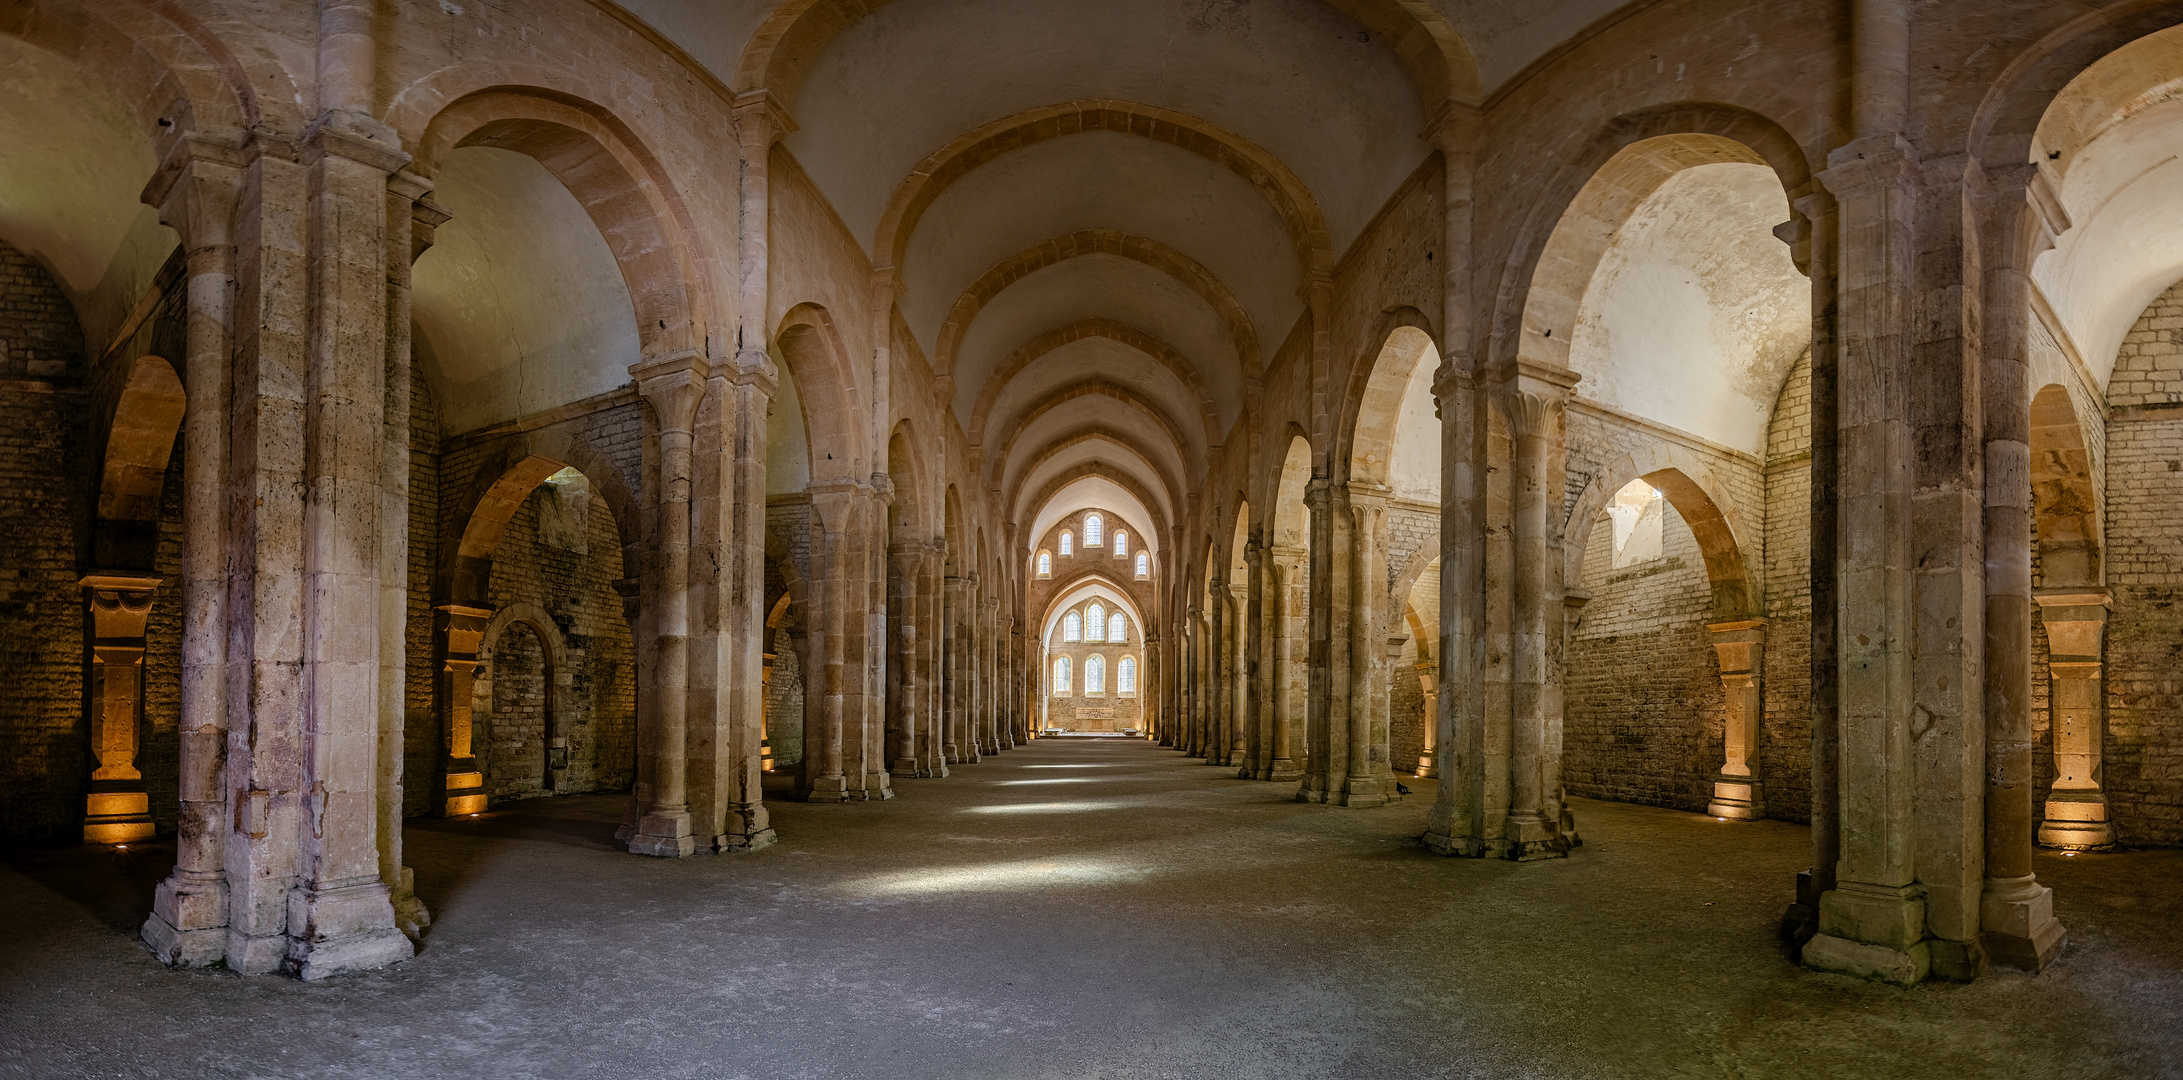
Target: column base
{"type": "Point", "coordinates": [1284, 769]}
{"type": "Point", "coordinates": [2077, 823]}
{"type": "Point", "coordinates": [1880, 963]}
{"type": "Point", "coordinates": [663, 835]}
{"type": "Point", "coordinates": [2019, 930]}
{"type": "Point", "coordinates": [188, 923]}
{"type": "Point", "coordinates": [1738, 799]}
{"type": "Point", "coordinates": [905, 767]}
{"type": "Point", "coordinates": [1872, 932]}
{"type": "Point", "coordinates": [117, 817]}
{"type": "Point", "coordinates": [410, 915]}
{"type": "Point", "coordinates": [1362, 792]}
{"type": "Point", "coordinates": [344, 929]}
{"type": "Point", "coordinates": [828, 789]}
{"type": "Point", "coordinates": [248, 955]}
{"type": "Point", "coordinates": [1529, 838]}
{"type": "Point", "coordinates": [1456, 847]}
{"type": "Point", "coordinates": [1427, 768]}
{"type": "Point", "coordinates": [730, 843]}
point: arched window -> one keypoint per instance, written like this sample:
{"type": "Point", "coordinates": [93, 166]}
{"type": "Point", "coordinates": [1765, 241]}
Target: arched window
{"type": "Point", "coordinates": [1045, 564]}
{"type": "Point", "coordinates": [1095, 675]}
{"type": "Point", "coordinates": [1095, 623]}
{"type": "Point", "coordinates": [1061, 675]}
{"type": "Point", "coordinates": [1125, 676]}
{"type": "Point", "coordinates": [1092, 530]}
{"type": "Point", "coordinates": [1072, 628]}
{"type": "Point", "coordinates": [1068, 543]}
{"type": "Point", "coordinates": [1121, 543]}
{"type": "Point", "coordinates": [1144, 565]}
{"type": "Point", "coordinates": [1117, 628]}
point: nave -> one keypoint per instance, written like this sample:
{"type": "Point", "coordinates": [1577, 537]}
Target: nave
{"type": "Point", "coordinates": [1085, 907]}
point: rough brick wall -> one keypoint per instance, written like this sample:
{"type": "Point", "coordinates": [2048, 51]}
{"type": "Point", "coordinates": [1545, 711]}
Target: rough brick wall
{"type": "Point", "coordinates": [1406, 719]}
{"type": "Point", "coordinates": [2144, 564]}
{"type": "Point", "coordinates": [1785, 740]}
{"type": "Point", "coordinates": [570, 575]}
{"type": "Point", "coordinates": [1644, 709]}
{"type": "Point", "coordinates": [44, 498]}
{"type": "Point", "coordinates": [1643, 697]}
{"type": "Point", "coordinates": [423, 739]}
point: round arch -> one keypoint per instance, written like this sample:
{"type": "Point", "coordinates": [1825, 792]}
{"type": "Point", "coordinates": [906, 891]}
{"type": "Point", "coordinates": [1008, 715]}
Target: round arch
{"type": "Point", "coordinates": [1372, 403]}
{"type": "Point", "coordinates": [621, 185]}
{"type": "Point", "coordinates": [526, 463]}
{"type": "Point", "coordinates": [553, 649]}
{"type": "Point", "coordinates": [1576, 217]}
{"type": "Point", "coordinates": [139, 440]}
{"type": "Point", "coordinates": [834, 413]}
{"type": "Point", "coordinates": [1698, 496]}
{"type": "Point", "coordinates": [2064, 498]}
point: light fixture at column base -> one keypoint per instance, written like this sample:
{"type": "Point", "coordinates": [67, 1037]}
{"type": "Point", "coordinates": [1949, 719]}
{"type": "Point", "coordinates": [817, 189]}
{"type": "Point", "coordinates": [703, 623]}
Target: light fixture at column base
{"type": "Point", "coordinates": [1737, 799]}
{"type": "Point", "coordinates": [2078, 824]}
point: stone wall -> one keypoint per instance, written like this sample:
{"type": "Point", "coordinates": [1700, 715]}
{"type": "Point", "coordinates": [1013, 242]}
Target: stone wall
{"type": "Point", "coordinates": [560, 554]}
{"type": "Point", "coordinates": [424, 742]}
{"type": "Point", "coordinates": [44, 498]}
{"type": "Point", "coordinates": [2144, 564]}
{"type": "Point", "coordinates": [1644, 709]}
{"type": "Point", "coordinates": [1642, 689]}
{"type": "Point", "coordinates": [1785, 739]}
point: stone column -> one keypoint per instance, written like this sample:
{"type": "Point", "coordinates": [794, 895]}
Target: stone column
{"type": "Point", "coordinates": [1326, 603]}
{"type": "Point", "coordinates": [1428, 677]}
{"type": "Point", "coordinates": [1218, 687]}
{"type": "Point", "coordinates": [905, 563]}
{"type": "Point", "coordinates": [2019, 216]}
{"type": "Point", "coordinates": [1453, 823]}
{"type": "Point", "coordinates": [1290, 569]}
{"type": "Point", "coordinates": [1368, 778]}
{"type": "Point", "coordinates": [989, 724]}
{"type": "Point", "coordinates": [955, 745]}
{"type": "Point", "coordinates": [732, 534]}
{"type": "Point", "coordinates": [459, 629]}
{"type": "Point", "coordinates": [826, 701]}
{"type": "Point", "coordinates": [340, 913]}
{"type": "Point", "coordinates": [118, 810]}
{"type": "Point", "coordinates": [673, 387]}
{"type": "Point", "coordinates": [1258, 667]}
{"type": "Point", "coordinates": [932, 641]}
{"type": "Point", "coordinates": [412, 218]}
{"type": "Point", "coordinates": [187, 926]}
{"type": "Point", "coordinates": [1533, 404]}
{"type": "Point", "coordinates": [1739, 793]}
{"type": "Point", "coordinates": [2076, 807]}
{"type": "Point", "coordinates": [1236, 720]}
{"type": "Point", "coordinates": [1873, 922]}
{"type": "Point", "coordinates": [1192, 692]}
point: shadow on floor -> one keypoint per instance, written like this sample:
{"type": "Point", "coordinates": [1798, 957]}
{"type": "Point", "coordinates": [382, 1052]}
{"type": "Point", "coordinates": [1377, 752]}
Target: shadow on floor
{"type": "Point", "coordinates": [114, 885]}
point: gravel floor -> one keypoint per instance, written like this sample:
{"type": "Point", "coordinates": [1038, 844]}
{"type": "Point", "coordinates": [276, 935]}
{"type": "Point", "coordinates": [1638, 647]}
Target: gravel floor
{"type": "Point", "coordinates": [1086, 908]}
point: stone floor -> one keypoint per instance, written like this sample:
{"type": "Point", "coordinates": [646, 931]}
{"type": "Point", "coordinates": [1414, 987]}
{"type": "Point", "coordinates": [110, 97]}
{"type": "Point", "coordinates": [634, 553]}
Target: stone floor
{"type": "Point", "coordinates": [1086, 908]}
